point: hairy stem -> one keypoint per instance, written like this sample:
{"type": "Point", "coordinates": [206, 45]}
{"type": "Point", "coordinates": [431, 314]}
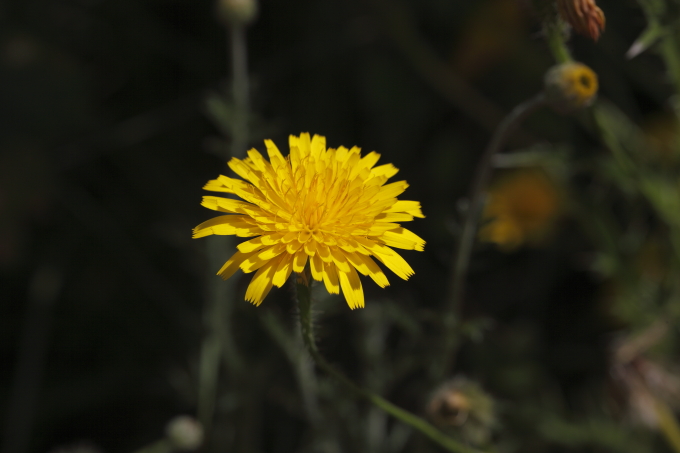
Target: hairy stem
{"type": "Point", "coordinates": [556, 42]}
{"type": "Point", "coordinates": [304, 300]}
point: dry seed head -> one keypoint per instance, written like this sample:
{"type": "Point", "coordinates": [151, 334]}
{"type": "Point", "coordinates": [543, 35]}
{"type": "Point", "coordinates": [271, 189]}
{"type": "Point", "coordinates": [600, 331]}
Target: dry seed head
{"type": "Point", "coordinates": [570, 86]}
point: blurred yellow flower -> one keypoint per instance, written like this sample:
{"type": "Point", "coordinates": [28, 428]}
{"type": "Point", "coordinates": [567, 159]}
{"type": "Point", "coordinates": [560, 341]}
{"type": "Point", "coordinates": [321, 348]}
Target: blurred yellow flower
{"type": "Point", "coordinates": [663, 134]}
{"type": "Point", "coordinates": [521, 208]}
{"type": "Point", "coordinates": [570, 86]}
{"type": "Point", "coordinates": [326, 205]}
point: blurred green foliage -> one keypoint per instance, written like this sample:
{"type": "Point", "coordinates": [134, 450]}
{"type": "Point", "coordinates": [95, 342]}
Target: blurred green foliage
{"type": "Point", "coordinates": [114, 115]}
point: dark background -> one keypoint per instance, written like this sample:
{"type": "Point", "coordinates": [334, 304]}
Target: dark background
{"type": "Point", "coordinates": [106, 141]}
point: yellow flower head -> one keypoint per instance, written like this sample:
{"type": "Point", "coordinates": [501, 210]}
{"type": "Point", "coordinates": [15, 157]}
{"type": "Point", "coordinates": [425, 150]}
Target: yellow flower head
{"type": "Point", "coordinates": [570, 86]}
{"type": "Point", "coordinates": [328, 206]}
{"type": "Point", "coordinates": [521, 208]}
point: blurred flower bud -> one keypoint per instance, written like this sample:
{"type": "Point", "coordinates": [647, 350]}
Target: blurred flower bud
{"type": "Point", "coordinates": [585, 17]}
{"type": "Point", "coordinates": [237, 12]}
{"type": "Point", "coordinates": [463, 405]}
{"type": "Point", "coordinates": [570, 87]}
{"type": "Point", "coordinates": [449, 408]}
{"type": "Point", "coordinates": [184, 432]}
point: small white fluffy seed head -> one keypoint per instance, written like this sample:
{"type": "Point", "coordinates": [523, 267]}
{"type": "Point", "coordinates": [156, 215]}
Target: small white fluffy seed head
{"type": "Point", "coordinates": [184, 432]}
{"type": "Point", "coordinates": [237, 12]}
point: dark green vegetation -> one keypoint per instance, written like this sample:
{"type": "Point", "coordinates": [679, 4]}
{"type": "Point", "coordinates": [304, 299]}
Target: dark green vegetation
{"type": "Point", "coordinates": [106, 139]}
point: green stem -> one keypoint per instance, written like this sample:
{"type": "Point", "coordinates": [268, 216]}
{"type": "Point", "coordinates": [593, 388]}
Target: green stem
{"type": "Point", "coordinates": [304, 299]}
{"type": "Point", "coordinates": [668, 424]}
{"type": "Point", "coordinates": [240, 87]}
{"type": "Point", "coordinates": [161, 446]}
{"type": "Point", "coordinates": [219, 344]}
{"type": "Point", "coordinates": [461, 262]}
{"type": "Point", "coordinates": [670, 51]}
{"type": "Point", "coordinates": [556, 42]}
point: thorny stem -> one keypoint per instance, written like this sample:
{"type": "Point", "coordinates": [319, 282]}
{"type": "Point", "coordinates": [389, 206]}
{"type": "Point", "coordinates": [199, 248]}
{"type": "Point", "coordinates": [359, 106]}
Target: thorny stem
{"type": "Point", "coordinates": [461, 261]}
{"type": "Point", "coordinates": [304, 300]}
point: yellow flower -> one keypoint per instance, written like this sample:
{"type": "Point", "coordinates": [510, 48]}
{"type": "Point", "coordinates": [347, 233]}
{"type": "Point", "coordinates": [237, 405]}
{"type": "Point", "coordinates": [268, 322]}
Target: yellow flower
{"type": "Point", "coordinates": [328, 206]}
{"type": "Point", "coordinates": [570, 86]}
{"type": "Point", "coordinates": [521, 208]}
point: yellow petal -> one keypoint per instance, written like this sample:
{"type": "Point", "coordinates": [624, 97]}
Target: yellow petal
{"type": "Point", "coordinates": [310, 248]}
{"type": "Point", "coordinates": [232, 264]}
{"type": "Point", "coordinates": [304, 144]}
{"type": "Point", "coordinates": [299, 261]}
{"type": "Point", "coordinates": [403, 239]}
{"type": "Point", "coordinates": [374, 271]}
{"type": "Point", "coordinates": [251, 245]}
{"type": "Point", "coordinates": [271, 252]}
{"type": "Point", "coordinates": [244, 171]}
{"type": "Point", "coordinates": [351, 288]}
{"type": "Point", "coordinates": [387, 170]}
{"type": "Point", "coordinates": [273, 150]}
{"type": "Point", "coordinates": [318, 146]}
{"type": "Point", "coordinates": [317, 267]}
{"type": "Point", "coordinates": [391, 190]}
{"type": "Point", "coordinates": [369, 160]}
{"type": "Point", "coordinates": [395, 263]}
{"type": "Point", "coordinates": [226, 225]}
{"type": "Point", "coordinates": [378, 229]}
{"type": "Point", "coordinates": [339, 259]}
{"type": "Point", "coordinates": [324, 252]}
{"type": "Point", "coordinates": [261, 283]}
{"type": "Point", "coordinates": [330, 278]}
{"type": "Point", "coordinates": [283, 270]}
{"type": "Point", "coordinates": [357, 262]}
{"type": "Point", "coordinates": [260, 258]}
{"type": "Point", "coordinates": [293, 247]}
{"type": "Point", "coordinates": [225, 204]}
{"type": "Point", "coordinates": [393, 217]}
{"type": "Point", "coordinates": [411, 207]}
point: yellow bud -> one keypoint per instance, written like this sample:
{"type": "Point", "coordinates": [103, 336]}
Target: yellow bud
{"type": "Point", "coordinates": [237, 12]}
{"type": "Point", "coordinates": [570, 87]}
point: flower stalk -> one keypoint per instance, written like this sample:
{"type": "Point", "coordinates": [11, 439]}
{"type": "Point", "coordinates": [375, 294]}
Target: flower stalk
{"type": "Point", "coordinates": [219, 345]}
{"type": "Point", "coordinates": [304, 299]}
{"type": "Point", "coordinates": [461, 261]}
{"type": "Point", "coordinates": [556, 41]}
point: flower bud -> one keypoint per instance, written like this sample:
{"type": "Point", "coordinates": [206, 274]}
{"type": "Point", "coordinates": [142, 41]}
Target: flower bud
{"type": "Point", "coordinates": [585, 17]}
{"type": "Point", "coordinates": [237, 12]}
{"type": "Point", "coordinates": [184, 432]}
{"type": "Point", "coordinates": [570, 87]}
{"type": "Point", "coordinates": [463, 406]}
